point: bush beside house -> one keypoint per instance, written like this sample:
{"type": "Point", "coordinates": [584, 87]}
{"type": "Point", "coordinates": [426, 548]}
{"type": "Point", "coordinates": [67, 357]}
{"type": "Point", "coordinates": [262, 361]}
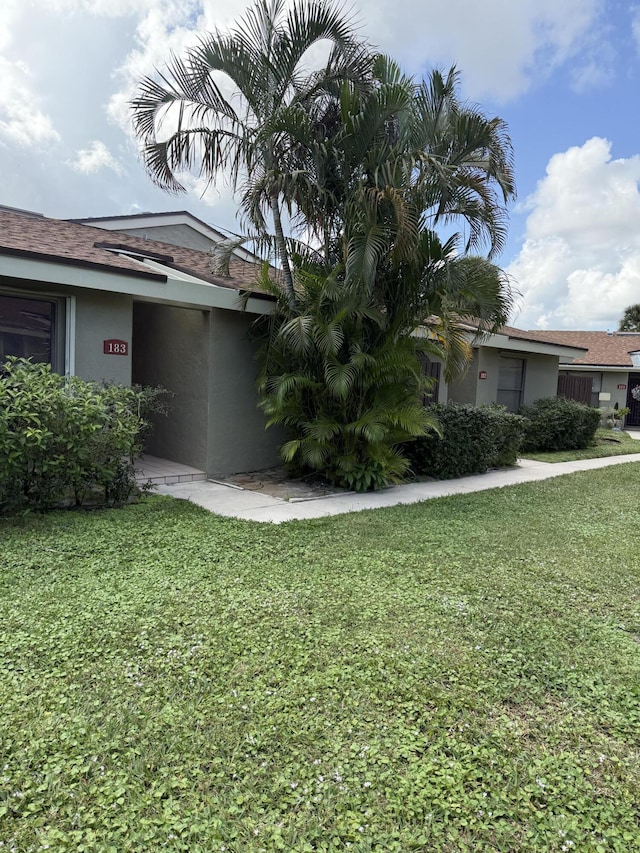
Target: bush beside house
{"type": "Point", "coordinates": [65, 440]}
{"type": "Point", "coordinates": [473, 439]}
{"type": "Point", "coordinates": [555, 423]}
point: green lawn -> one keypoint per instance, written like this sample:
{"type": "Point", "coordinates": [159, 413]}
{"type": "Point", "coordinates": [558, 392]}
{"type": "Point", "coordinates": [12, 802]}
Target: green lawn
{"type": "Point", "coordinates": [461, 675]}
{"type": "Point", "coordinates": [608, 443]}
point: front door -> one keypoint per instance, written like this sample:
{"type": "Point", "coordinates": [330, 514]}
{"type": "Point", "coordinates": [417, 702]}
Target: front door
{"type": "Point", "coordinates": [633, 418]}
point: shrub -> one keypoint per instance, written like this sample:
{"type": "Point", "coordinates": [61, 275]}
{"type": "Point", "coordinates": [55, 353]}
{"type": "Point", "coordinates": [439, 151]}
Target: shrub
{"type": "Point", "coordinates": [63, 439]}
{"type": "Point", "coordinates": [555, 423]}
{"type": "Point", "coordinates": [474, 438]}
{"type": "Point", "coordinates": [612, 418]}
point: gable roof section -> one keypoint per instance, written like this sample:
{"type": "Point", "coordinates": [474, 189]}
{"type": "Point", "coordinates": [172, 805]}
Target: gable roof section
{"type": "Point", "coordinates": [604, 349]}
{"type": "Point", "coordinates": [64, 242]}
{"type": "Point", "coordinates": [132, 220]}
{"type": "Point", "coordinates": [172, 217]}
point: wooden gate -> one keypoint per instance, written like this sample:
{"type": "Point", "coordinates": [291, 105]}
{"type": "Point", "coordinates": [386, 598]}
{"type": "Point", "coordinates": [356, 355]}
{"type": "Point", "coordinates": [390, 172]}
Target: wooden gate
{"type": "Point", "coordinates": [575, 388]}
{"type": "Point", "coordinates": [633, 418]}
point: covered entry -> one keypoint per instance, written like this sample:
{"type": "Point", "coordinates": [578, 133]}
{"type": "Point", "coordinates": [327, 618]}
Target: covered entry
{"type": "Point", "coordinates": [633, 418]}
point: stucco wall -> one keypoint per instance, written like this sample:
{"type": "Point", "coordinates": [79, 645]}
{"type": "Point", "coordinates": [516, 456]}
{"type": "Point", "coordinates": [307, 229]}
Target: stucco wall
{"type": "Point", "coordinates": [487, 389]}
{"type": "Point", "coordinates": [540, 378]}
{"type": "Point", "coordinates": [464, 390]}
{"type": "Point", "coordinates": [610, 381]}
{"type": "Point", "coordinates": [99, 317]}
{"type": "Point", "coordinates": [238, 440]}
{"type": "Point", "coordinates": [177, 235]}
{"type": "Point", "coordinates": [171, 347]}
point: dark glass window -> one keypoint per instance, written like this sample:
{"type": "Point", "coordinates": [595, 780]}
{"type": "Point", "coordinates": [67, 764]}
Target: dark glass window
{"type": "Point", "coordinates": [29, 328]}
{"type": "Point", "coordinates": [431, 369]}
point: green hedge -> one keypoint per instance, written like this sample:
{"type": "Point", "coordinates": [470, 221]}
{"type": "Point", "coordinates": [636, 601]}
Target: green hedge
{"type": "Point", "coordinates": [474, 438]}
{"type": "Point", "coordinates": [65, 440]}
{"type": "Point", "coordinates": [555, 423]}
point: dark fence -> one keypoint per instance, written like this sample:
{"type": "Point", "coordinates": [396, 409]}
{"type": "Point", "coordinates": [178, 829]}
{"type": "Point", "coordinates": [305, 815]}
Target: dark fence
{"type": "Point", "coordinates": [575, 388]}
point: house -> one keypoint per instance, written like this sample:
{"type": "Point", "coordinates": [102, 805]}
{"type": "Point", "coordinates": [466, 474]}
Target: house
{"type": "Point", "coordinates": [607, 368]}
{"type": "Point", "coordinates": [111, 306]}
{"type": "Point", "coordinates": [511, 368]}
{"type": "Point", "coordinates": [105, 299]}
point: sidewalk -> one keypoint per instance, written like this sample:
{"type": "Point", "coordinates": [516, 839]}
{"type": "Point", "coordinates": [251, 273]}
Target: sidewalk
{"type": "Point", "coordinates": [241, 503]}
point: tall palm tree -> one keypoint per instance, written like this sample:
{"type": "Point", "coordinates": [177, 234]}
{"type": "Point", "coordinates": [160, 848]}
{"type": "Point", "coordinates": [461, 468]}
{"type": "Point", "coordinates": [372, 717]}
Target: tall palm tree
{"type": "Point", "coordinates": [239, 104]}
{"type": "Point", "coordinates": [341, 367]}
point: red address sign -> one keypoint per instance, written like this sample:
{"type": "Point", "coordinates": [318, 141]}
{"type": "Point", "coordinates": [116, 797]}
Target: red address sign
{"type": "Point", "coordinates": [115, 347]}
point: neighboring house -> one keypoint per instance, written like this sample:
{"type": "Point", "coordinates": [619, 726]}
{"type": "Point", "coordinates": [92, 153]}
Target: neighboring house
{"type": "Point", "coordinates": [110, 306]}
{"type": "Point", "coordinates": [607, 367]}
{"type": "Point", "coordinates": [511, 368]}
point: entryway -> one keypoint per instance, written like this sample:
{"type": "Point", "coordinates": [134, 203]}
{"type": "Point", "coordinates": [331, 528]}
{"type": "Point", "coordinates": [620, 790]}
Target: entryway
{"type": "Point", "coordinates": [633, 418]}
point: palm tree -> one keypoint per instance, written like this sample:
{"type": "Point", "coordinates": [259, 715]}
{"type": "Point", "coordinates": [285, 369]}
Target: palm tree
{"type": "Point", "coordinates": [370, 164]}
{"type": "Point", "coordinates": [240, 102]}
{"type": "Point", "coordinates": [340, 368]}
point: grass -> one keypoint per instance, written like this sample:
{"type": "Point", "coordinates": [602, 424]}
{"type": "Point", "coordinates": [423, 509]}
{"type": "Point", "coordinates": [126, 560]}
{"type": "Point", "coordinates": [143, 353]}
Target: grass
{"type": "Point", "coordinates": [608, 443]}
{"type": "Point", "coordinates": [461, 675]}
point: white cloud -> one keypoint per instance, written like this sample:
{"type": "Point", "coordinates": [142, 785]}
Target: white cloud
{"type": "Point", "coordinates": [21, 119]}
{"type": "Point", "coordinates": [579, 266]}
{"type": "Point", "coordinates": [81, 82]}
{"type": "Point", "coordinates": [95, 158]}
{"type": "Point", "coordinates": [501, 48]}
{"type": "Point", "coordinates": [167, 27]}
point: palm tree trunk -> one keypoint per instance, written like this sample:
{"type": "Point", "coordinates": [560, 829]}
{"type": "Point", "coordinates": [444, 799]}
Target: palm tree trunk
{"type": "Point", "coordinates": [281, 248]}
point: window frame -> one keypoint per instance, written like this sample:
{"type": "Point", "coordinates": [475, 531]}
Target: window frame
{"type": "Point", "coordinates": [62, 349]}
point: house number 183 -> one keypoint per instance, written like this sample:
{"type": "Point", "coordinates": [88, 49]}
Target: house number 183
{"type": "Point", "coordinates": [115, 347]}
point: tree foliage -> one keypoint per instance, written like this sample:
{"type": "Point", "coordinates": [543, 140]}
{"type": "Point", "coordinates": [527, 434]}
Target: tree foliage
{"type": "Point", "coordinates": [239, 102]}
{"type": "Point", "coordinates": [630, 320]}
{"type": "Point", "coordinates": [370, 167]}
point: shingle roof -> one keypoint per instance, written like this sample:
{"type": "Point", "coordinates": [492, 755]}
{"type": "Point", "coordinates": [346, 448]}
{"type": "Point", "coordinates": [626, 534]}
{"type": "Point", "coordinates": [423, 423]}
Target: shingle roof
{"type": "Point", "coordinates": [66, 242]}
{"type": "Point", "coordinates": [604, 349]}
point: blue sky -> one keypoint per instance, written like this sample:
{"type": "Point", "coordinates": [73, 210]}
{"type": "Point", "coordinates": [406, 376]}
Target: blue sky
{"type": "Point", "coordinates": [564, 74]}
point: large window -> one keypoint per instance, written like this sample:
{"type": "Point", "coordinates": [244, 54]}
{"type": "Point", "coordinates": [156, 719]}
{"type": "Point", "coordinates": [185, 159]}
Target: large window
{"type": "Point", "coordinates": [32, 327]}
{"type": "Point", "coordinates": [511, 382]}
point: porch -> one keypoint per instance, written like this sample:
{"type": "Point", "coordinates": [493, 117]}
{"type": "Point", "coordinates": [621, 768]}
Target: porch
{"type": "Point", "coordinates": [151, 469]}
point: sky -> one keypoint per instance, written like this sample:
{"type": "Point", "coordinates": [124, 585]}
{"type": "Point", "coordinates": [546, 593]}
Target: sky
{"type": "Point", "coordinates": [563, 74]}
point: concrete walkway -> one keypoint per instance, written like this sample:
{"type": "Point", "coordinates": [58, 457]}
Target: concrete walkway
{"type": "Point", "coordinates": [241, 503]}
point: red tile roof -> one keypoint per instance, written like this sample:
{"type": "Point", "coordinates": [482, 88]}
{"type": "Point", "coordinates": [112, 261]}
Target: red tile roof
{"type": "Point", "coordinates": [604, 349]}
{"type": "Point", "coordinates": [66, 242]}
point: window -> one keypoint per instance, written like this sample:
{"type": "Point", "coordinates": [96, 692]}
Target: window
{"type": "Point", "coordinates": [511, 382]}
{"type": "Point", "coordinates": [32, 327]}
{"type": "Point", "coordinates": [431, 369]}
